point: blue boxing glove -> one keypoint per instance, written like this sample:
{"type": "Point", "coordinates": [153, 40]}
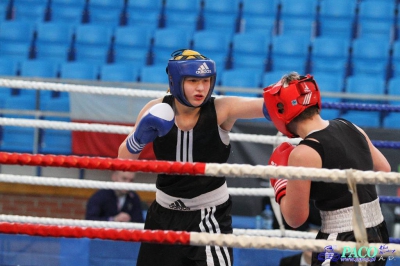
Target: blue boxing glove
{"type": "Point", "coordinates": [266, 114]}
{"type": "Point", "coordinates": [156, 122]}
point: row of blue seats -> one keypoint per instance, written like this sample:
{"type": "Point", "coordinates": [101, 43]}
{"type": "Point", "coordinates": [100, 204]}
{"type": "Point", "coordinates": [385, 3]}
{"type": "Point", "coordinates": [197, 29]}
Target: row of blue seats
{"type": "Point", "coordinates": [350, 18]}
{"type": "Point", "coordinates": [244, 78]}
{"type": "Point", "coordinates": [241, 77]}
{"type": "Point", "coordinates": [142, 46]}
{"type": "Point", "coordinates": [22, 139]}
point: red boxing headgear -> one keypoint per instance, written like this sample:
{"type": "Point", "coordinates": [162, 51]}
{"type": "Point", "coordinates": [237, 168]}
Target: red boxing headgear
{"type": "Point", "coordinates": [286, 101]}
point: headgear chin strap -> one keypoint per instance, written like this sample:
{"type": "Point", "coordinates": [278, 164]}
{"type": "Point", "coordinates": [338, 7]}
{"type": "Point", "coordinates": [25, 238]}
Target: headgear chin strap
{"type": "Point", "coordinates": [189, 63]}
{"type": "Point", "coordinates": [285, 101]}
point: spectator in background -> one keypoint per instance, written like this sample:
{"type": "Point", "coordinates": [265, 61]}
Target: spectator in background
{"type": "Point", "coordinates": [115, 205]}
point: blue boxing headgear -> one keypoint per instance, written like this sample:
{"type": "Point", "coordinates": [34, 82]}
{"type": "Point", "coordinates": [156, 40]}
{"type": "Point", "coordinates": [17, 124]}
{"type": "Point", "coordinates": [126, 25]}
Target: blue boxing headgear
{"type": "Point", "coordinates": [188, 63]}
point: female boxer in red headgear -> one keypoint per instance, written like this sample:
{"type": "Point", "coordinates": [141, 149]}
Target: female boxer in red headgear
{"type": "Point", "coordinates": [294, 105]}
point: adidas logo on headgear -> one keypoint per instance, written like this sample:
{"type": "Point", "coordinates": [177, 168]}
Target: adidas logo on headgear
{"type": "Point", "coordinates": [203, 69]}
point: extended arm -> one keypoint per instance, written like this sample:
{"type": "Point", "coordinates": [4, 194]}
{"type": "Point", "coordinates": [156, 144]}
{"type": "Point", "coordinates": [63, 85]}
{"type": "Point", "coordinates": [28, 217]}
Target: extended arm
{"type": "Point", "coordinates": [229, 109]}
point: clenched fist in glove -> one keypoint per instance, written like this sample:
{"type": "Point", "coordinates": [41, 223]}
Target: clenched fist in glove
{"type": "Point", "coordinates": [157, 122]}
{"type": "Point", "coordinates": [280, 157]}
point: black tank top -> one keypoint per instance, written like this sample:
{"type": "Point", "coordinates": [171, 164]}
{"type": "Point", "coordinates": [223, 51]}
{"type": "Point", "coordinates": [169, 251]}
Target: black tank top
{"type": "Point", "coordinates": [201, 144]}
{"type": "Point", "coordinates": [341, 146]}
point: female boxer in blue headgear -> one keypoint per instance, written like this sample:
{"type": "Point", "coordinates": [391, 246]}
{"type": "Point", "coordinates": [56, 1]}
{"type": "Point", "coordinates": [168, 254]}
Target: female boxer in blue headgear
{"type": "Point", "coordinates": [189, 126]}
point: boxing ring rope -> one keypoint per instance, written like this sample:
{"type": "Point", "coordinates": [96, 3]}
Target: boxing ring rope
{"type": "Point", "coordinates": [207, 169]}
{"type": "Point", "coordinates": [103, 90]}
{"type": "Point", "coordinates": [183, 238]}
{"type": "Point", "coordinates": [14, 225]}
{"type": "Point", "coordinates": [125, 225]}
{"type": "Point", "coordinates": [93, 127]}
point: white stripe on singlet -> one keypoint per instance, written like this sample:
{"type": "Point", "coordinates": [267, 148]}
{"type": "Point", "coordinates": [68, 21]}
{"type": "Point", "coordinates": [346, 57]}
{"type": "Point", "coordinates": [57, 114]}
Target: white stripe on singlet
{"type": "Point", "coordinates": [327, 261]}
{"type": "Point", "coordinates": [184, 146]}
{"type": "Point", "coordinates": [210, 220]}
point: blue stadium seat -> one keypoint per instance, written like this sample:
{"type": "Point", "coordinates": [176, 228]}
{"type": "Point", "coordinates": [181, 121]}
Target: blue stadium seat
{"type": "Point", "coordinates": [365, 84]}
{"type": "Point", "coordinates": [119, 72]}
{"type": "Point", "coordinates": [272, 77]}
{"type": "Point", "coordinates": [258, 24]}
{"type": "Point", "coordinates": [221, 15]}
{"type": "Point", "coordinates": [67, 14]}
{"type": "Point", "coordinates": [146, 13]}
{"type": "Point", "coordinates": [54, 141]}
{"type": "Point", "coordinates": [16, 31]}
{"type": "Point", "coordinates": [329, 83]}
{"type": "Point", "coordinates": [385, 10]}
{"type": "Point", "coordinates": [330, 55]}
{"type": "Point", "coordinates": [54, 41]}
{"type": "Point", "coordinates": [106, 12]}
{"type": "Point", "coordinates": [243, 78]}
{"type": "Point", "coordinates": [93, 43]}
{"type": "Point", "coordinates": [376, 29]}
{"type": "Point", "coordinates": [391, 120]}
{"type": "Point", "coordinates": [369, 85]}
{"type": "Point", "coordinates": [337, 18]}
{"type": "Point", "coordinates": [187, 22]}
{"type": "Point", "coordinates": [38, 69]}
{"type": "Point", "coordinates": [287, 55]}
{"type": "Point", "coordinates": [16, 38]}
{"type": "Point", "coordinates": [298, 9]}
{"type": "Point", "coordinates": [154, 74]}
{"type": "Point", "coordinates": [395, 59]}
{"type": "Point", "coordinates": [3, 11]}
{"type": "Point", "coordinates": [393, 90]}
{"type": "Point", "coordinates": [15, 51]}
{"type": "Point", "coordinates": [376, 19]}
{"type": "Point", "coordinates": [297, 17]}
{"type": "Point", "coordinates": [79, 71]}
{"type": "Point", "coordinates": [250, 50]}
{"type": "Point", "coordinates": [370, 56]}
{"type": "Point", "coordinates": [182, 14]}
{"type": "Point", "coordinates": [68, 3]}
{"type": "Point", "coordinates": [31, 11]}
{"type": "Point", "coordinates": [18, 139]}
{"type": "Point", "coordinates": [7, 68]}
{"type": "Point", "coordinates": [260, 8]}
{"type": "Point", "coordinates": [303, 26]}
{"type": "Point", "coordinates": [132, 44]}
{"type": "Point", "coordinates": [168, 40]}
{"type": "Point", "coordinates": [212, 41]}
{"type": "Point", "coordinates": [363, 118]}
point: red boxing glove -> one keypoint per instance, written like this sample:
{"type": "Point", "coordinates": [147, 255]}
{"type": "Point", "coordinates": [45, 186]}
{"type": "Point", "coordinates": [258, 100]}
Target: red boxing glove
{"type": "Point", "coordinates": [280, 157]}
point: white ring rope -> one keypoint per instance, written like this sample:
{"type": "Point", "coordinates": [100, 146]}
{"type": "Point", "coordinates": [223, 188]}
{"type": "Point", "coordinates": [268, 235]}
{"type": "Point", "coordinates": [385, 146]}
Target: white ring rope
{"type": "Point", "coordinates": [81, 183]}
{"type": "Point", "coordinates": [232, 170]}
{"type": "Point", "coordinates": [302, 173]}
{"type": "Point", "coordinates": [93, 127]}
{"type": "Point", "coordinates": [103, 90]}
{"type": "Point", "coordinates": [38, 85]}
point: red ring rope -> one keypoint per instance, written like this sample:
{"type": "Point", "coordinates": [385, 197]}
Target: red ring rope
{"type": "Point", "coordinates": [103, 163]}
{"type": "Point", "coordinates": [133, 235]}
